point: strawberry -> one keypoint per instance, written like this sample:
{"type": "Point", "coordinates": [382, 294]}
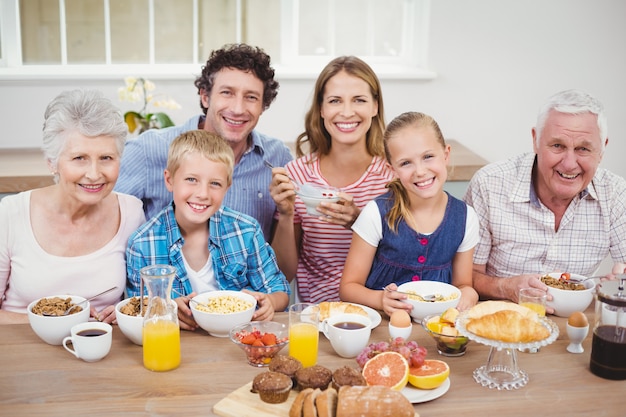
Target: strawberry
{"type": "Point", "coordinates": [249, 339]}
{"type": "Point", "coordinates": [269, 339]}
{"type": "Point", "coordinates": [258, 342]}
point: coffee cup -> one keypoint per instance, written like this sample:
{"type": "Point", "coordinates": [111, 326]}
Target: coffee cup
{"type": "Point", "coordinates": [91, 341]}
{"type": "Point", "coordinates": [349, 334]}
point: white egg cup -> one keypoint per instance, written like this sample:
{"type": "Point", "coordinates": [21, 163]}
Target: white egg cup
{"type": "Point", "coordinates": [403, 332]}
{"type": "Point", "coordinates": [576, 336]}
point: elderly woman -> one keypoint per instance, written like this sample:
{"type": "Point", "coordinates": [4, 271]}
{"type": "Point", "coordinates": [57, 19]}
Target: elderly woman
{"type": "Point", "coordinates": [70, 237]}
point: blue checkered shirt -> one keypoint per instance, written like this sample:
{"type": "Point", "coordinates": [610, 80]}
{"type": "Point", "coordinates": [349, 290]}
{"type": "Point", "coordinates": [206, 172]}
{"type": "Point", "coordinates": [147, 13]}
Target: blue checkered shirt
{"type": "Point", "coordinates": [241, 257]}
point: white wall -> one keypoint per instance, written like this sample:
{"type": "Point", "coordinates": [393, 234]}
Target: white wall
{"type": "Point", "coordinates": [497, 61]}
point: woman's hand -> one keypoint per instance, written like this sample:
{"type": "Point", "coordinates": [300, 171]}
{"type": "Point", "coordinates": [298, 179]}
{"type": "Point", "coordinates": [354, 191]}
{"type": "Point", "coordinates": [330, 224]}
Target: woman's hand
{"type": "Point", "coordinates": [106, 315]}
{"type": "Point", "coordinates": [392, 300]}
{"type": "Point", "coordinates": [344, 212]}
{"type": "Point", "coordinates": [265, 307]}
{"type": "Point", "coordinates": [185, 316]}
{"type": "Point", "coordinates": [283, 191]}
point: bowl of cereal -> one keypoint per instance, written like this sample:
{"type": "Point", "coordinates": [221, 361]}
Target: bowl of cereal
{"type": "Point", "coordinates": [53, 327]}
{"type": "Point", "coordinates": [445, 296]}
{"type": "Point", "coordinates": [129, 320]}
{"type": "Point", "coordinates": [260, 340]}
{"type": "Point", "coordinates": [219, 311]}
{"type": "Point", "coordinates": [568, 295]}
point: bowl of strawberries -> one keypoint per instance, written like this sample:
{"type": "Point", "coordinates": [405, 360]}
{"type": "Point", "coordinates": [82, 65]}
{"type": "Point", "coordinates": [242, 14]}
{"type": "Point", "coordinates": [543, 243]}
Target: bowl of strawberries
{"type": "Point", "coordinates": [260, 340]}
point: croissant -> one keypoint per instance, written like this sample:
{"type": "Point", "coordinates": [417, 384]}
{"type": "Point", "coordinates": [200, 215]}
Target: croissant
{"type": "Point", "coordinates": [507, 326]}
{"type": "Point", "coordinates": [331, 308]}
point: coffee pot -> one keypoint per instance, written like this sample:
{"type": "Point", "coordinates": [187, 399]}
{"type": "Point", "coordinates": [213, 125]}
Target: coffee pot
{"type": "Point", "coordinates": [608, 347]}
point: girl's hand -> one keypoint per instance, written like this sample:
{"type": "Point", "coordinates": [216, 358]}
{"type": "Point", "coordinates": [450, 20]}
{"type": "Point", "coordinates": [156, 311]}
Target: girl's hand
{"type": "Point", "coordinates": [282, 190]}
{"type": "Point", "coordinates": [392, 300]}
{"type": "Point", "coordinates": [344, 212]}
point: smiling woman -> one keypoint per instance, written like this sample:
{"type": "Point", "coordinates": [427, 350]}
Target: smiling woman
{"type": "Point", "coordinates": [77, 228]}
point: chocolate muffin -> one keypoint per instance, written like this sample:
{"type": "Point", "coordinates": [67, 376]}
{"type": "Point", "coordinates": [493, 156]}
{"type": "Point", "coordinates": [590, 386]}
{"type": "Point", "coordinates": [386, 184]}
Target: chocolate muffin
{"type": "Point", "coordinates": [273, 387]}
{"type": "Point", "coordinates": [348, 376]}
{"type": "Point", "coordinates": [287, 365]}
{"type": "Point", "coordinates": [315, 376]}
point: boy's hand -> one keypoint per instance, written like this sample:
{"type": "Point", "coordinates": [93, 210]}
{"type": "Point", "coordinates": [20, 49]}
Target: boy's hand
{"type": "Point", "coordinates": [265, 308]}
{"type": "Point", "coordinates": [185, 316]}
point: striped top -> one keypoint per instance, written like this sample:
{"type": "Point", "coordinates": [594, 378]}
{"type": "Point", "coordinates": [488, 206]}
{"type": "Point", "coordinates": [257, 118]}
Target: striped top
{"type": "Point", "coordinates": [325, 246]}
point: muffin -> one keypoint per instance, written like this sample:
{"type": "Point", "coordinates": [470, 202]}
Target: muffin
{"type": "Point", "coordinates": [347, 375]}
{"type": "Point", "coordinates": [315, 376]}
{"type": "Point", "coordinates": [287, 365]}
{"type": "Point", "coordinates": [273, 387]}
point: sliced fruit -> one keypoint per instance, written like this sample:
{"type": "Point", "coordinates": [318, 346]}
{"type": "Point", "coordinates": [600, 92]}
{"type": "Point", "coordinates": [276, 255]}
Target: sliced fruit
{"type": "Point", "coordinates": [430, 375]}
{"type": "Point", "coordinates": [434, 325]}
{"type": "Point", "coordinates": [389, 369]}
{"type": "Point", "coordinates": [449, 316]}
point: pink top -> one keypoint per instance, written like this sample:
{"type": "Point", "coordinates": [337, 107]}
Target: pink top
{"type": "Point", "coordinates": [325, 246]}
{"type": "Point", "coordinates": [27, 272]}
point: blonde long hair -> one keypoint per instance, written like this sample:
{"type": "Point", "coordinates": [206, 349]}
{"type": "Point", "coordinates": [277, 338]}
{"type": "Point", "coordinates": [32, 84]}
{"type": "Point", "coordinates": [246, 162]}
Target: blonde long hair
{"type": "Point", "coordinates": [401, 203]}
{"type": "Point", "coordinates": [316, 135]}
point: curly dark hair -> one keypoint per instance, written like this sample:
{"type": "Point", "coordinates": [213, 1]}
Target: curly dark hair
{"type": "Point", "coordinates": [242, 57]}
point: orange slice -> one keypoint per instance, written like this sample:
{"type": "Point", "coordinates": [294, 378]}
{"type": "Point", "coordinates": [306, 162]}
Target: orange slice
{"type": "Point", "coordinates": [389, 369]}
{"type": "Point", "coordinates": [430, 375]}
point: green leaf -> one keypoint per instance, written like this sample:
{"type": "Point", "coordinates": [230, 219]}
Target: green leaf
{"type": "Point", "coordinates": [162, 119]}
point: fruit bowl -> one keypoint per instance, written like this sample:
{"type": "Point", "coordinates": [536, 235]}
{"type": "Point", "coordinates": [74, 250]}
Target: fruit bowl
{"type": "Point", "coordinates": [449, 341]}
{"type": "Point", "coordinates": [260, 340]}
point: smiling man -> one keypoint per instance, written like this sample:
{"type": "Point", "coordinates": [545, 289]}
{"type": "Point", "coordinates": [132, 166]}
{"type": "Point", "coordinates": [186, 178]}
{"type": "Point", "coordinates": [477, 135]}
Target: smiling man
{"type": "Point", "coordinates": [235, 87]}
{"type": "Point", "coordinates": [553, 209]}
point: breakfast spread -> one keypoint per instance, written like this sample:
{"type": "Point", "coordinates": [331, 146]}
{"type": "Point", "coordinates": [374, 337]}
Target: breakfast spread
{"type": "Point", "coordinates": [507, 322]}
{"type": "Point", "coordinates": [331, 308]}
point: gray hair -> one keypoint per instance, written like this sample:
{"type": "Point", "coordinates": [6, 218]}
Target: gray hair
{"type": "Point", "coordinates": [573, 102]}
{"type": "Point", "coordinates": [87, 112]}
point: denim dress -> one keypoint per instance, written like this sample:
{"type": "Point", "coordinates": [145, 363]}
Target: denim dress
{"type": "Point", "coordinates": [410, 256]}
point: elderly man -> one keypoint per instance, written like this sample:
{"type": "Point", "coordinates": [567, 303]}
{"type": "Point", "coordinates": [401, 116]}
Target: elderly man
{"type": "Point", "coordinates": [551, 210]}
{"type": "Point", "coordinates": [235, 87]}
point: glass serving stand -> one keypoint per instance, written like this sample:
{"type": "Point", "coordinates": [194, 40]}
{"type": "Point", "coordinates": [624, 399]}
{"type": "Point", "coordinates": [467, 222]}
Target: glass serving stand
{"type": "Point", "coordinates": [501, 370]}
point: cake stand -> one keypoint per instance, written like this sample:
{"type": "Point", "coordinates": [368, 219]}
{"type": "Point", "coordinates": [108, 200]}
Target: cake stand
{"type": "Point", "coordinates": [501, 370]}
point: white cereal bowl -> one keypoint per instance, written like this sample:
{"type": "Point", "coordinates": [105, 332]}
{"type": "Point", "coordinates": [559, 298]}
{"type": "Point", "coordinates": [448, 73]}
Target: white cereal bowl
{"type": "Point", "coordinates": [312, 195]}
{"type": "Point", "coordinates": [53, 329]}
{"type": "Point", "coordinates": [422, 309]}
{"type": "Point", "coordinates": [131, 326]}
{"type": "Point", "coordinates": [565, 302]}
{"type": "Point", "coordinates": [219, 324]}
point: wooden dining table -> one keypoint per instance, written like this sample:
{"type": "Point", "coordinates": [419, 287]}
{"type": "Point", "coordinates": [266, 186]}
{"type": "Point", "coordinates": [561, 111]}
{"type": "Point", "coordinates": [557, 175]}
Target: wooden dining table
{"type": "Point", "coordinates": [44, 380]}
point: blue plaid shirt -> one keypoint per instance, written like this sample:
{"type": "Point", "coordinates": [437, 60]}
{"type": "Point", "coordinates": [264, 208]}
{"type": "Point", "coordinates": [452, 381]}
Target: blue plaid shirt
{"type": "Point", "coordinates": [241, 257]}
{"type": "Point", "coordinates": [145, 158]}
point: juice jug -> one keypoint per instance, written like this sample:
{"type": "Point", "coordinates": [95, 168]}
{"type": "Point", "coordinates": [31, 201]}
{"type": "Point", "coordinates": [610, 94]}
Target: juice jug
{"type": "Point", "coordinates": [608, 346]}
{"type": "Point", "coordinates": [161, 333]}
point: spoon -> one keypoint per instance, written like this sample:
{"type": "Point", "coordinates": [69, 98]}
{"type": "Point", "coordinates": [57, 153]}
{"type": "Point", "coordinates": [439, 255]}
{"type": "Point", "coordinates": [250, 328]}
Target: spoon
{"type": "Point", "coordinates": [191, 300]}
{"type": "Point", "coordinates": [66, 312]}
{"type": "Point", "coordinates": [429, 298]}
{"type": "Point", "coordinates": [270, 166]}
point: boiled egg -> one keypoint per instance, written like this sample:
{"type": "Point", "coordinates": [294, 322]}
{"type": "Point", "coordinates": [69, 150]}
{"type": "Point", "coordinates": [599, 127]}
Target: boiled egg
{"type": "Point", "coordinates": [577, 319]}
{"type": "Point", "coordinates": [400, 318]}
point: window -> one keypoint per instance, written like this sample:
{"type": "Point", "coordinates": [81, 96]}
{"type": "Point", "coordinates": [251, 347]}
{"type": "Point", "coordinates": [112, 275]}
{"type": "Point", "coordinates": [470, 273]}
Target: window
{"type": "Point", "coordinates": [105, 37]}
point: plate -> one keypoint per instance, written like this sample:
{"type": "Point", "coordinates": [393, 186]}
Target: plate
{"type": "Point", "coordinates": [371, 313]}
{"type": "Point", "coordinates": [416, 395]}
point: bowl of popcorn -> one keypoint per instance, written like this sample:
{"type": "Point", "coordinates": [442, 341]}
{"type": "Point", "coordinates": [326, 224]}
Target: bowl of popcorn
{"type": "Point", "coordinates": [218, 312]}
{"type": "Point", "coordinates": [129, 320]}
{"type": "Point", "coordinates": [48, 320]}
{"type": "Point", "coordinates": [260, 340]}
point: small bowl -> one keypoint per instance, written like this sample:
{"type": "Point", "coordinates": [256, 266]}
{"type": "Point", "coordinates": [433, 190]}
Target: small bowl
{"type": "Point", "coordinates": [313, 195]}
{"type": "Point", "coordinates": [565, 302]}
{"type": "Point", "coordinates": [53, 329]}
{"type": "Point", "coordinates": [219, 324]}
{"type": "Point", "coordinates": [131, 326]}
{"type": "Point", "coordinates": [446, 345]}
{"type": "Point", "coordinates": [422, 309]}
{"type": "Point", "coordinates": [260, 356]}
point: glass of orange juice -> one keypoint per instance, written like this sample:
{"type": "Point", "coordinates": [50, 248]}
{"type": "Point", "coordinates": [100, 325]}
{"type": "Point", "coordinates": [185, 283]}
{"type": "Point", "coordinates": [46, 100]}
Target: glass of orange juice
{"type": "Point", "coordinates": [304, 332]}
{"type": "Point", "coordinates": [533, 298]}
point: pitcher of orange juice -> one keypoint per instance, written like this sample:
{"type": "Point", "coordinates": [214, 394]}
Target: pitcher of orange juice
{"type": "Point", "coordinates": [161, 334]}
